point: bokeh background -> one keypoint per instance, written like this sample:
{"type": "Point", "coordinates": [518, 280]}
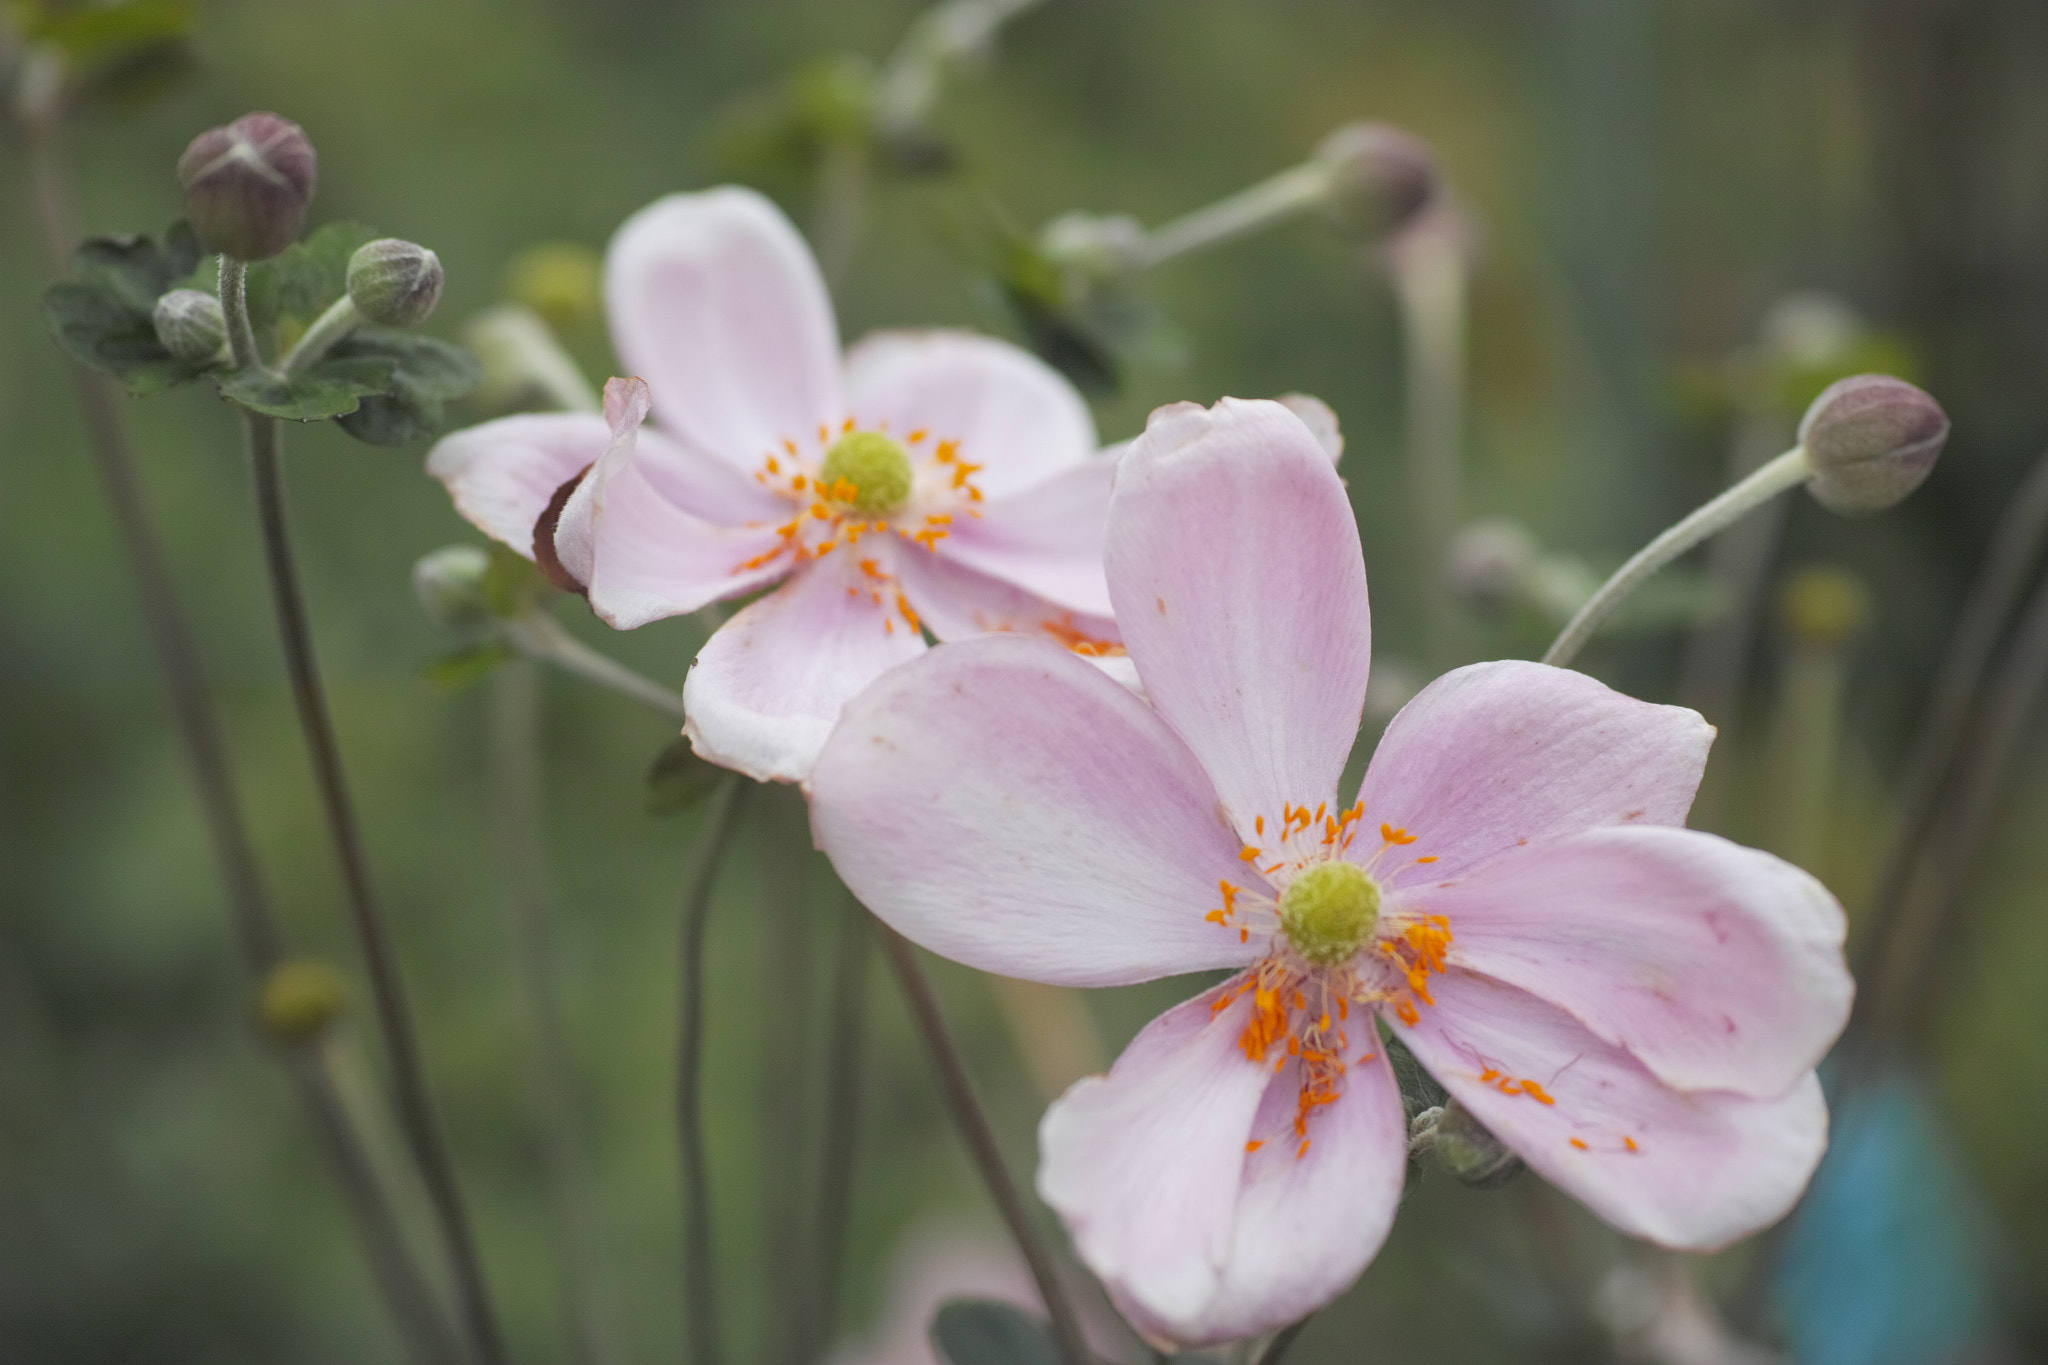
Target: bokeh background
{"type": "Point", "coordinates": [1646, 183]}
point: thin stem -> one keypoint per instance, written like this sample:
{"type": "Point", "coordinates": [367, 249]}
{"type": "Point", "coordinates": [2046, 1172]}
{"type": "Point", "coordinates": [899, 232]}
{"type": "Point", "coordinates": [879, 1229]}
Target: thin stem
{"type": "Point", "coordinates": [841, 1130]}
{"type": "Point", "coordinates": [1271, 201]}
{"type": "Point", "coordinates": [700, 1298]}
{"type": "Point", "coordinates": [1428, 272]}
{"type": "Point", "coordinates": [1276, 1349]}
{"type": "Point", "coordinates": [937, 39]}
{"type": "Point", "coordinates": [338, 321]}
{"type": "Point", "coordinates": [784, 831]}
{"type": "Point", "coordinates": [1786, 471]}
{"type": "Point", "coordinates": [234, 305]}
{"type": "Point", "coordinates": [407, 1296]}
{"type": "Point", "coordinates": [957, 1090]}
{"type": "Point", "coordinates": [516, 749]}
{"type": "Point", "coordinates": [538, 635]}
{"type": "Point", "coordinates": [394, 1016]}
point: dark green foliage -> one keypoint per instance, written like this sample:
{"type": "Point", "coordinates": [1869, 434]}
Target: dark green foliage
{"type": "Point", "coordinates": [677, 779]}
{"type": "Point", "coordinates": [985, 1332]}
{"type": "Point", "coordinates": [101, 316]}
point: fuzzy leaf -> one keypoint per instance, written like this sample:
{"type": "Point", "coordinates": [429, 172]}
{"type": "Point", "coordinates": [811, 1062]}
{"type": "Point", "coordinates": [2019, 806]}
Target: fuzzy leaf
{"type": "Point", "coordinates": [985, 1332]}
{"type": "Point", "coordinates": [426, 373]}
{"type": "Point", "coordinates": [296, 286]}
{"type": "Point", "coordinates": [101, 316]}
{"type": "Point", "coordinates": [330, 389]}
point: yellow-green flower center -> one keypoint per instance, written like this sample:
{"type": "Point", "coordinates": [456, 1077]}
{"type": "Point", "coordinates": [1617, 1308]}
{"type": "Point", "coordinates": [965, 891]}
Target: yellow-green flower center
{"type": "Point", "coordinates": [867, 471]}
{"type": "Point", "coordinates": [1329, 911]}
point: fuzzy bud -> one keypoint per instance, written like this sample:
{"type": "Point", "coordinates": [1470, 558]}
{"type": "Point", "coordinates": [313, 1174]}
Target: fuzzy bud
{"type": "Point", "coordinates": [1489, 563]}
{"type": "Point", "coordinates": [190, 324]}
{"type": "Point", "coordinates": [1871, 439]}
{"type": "Point", "coordinates": [1381, 178]}
{"type": "Point", "coordinates": [394, 283]}
{"type": "Point", "coordinates": [1464, 1148]}
{"type": "Point", "coordinates": [300, 998]}
{"type": "Point", "coordinates": [451, 585]}
{"type": "Point", "coordinates": [248, 186]}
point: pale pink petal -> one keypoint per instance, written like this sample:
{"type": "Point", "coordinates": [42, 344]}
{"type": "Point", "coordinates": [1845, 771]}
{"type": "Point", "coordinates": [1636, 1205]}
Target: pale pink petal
{"type": "Point", "coordinates": [1047, 538]}
{"type": "Point", "coordinates": [767, 687]}
{"type": "Point", "coordinates": [1198, 1238]}
{"type": "Point", "coordinates": [957, 603]}
{"type": "Point", "coordinates": [1013, 415]}
{"type": "Point", "coordinates": [1495, 755]}
{"type": "Point", "coordinates": [1718, 966]}
{"type": "Point", "coordinates": [1009, 807]}
{"type": "Point", "coordinates": [502, 474]}
{"type": "Point", "coordinates": [638, 555]}
{"type": "Point", "coordinates": [1321, 421]}
{"type": "Point", "coordinates": [1694, 1170]}
{"type": "Point", "coordinates": [716, 302]}
{"type": "Point", "coordinates": [1235, 571]}
{"type": "Point", "coordinates": [706, 486]}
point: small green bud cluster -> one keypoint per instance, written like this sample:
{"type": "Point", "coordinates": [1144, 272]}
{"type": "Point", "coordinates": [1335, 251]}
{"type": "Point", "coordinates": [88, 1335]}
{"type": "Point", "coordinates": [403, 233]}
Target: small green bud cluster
{"type": "Point", "coordinates": [1871, 439]}
{"type": "Point", "coordinates": [248, 185]}
{"type": "Point", "coordinates": [190, 324]}
{"type": "Point", "coordinates": [394, 283]}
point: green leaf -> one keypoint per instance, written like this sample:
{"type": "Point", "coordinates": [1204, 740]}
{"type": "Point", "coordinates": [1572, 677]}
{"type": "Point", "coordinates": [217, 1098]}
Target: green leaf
{"type": "Point", "coordinates": [89, 32]}
{"type": "Point", "coordinates": [455, 671]}
{"type": "Point", "coordinates": [426, 373]}
{"type": "Point", "coordinates": [678, 779]}
{"type": "Point", "coordinates": [333, 388]}
{"type": "Point", "coordinates": [101, 316]}
{"type": "Point", "coordinates": [297, 285]}
{"type": "Point", "coordinates": [985, 1332]}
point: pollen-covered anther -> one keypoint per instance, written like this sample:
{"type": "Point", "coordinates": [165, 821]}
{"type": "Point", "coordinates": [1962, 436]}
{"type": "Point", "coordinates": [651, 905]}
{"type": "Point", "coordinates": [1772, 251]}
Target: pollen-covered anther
{"type": "Point", "coordinates": [1329, 911]}
{"type": "Point", "coordinates": [868, 472]}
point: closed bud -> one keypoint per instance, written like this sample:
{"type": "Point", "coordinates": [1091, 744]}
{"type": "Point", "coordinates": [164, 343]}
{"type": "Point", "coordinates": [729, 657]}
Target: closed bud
{"type": "Point", "coordinates": [248, 186]}
{"type": "Point", "coordinates": [1824, 605]}
{"type": "Point", "coordinates": [1381, 178]}
{"type": "Point", "coordinates": [394, 283]}
{"type": "Point", "coordinates": [299, 999]}
{"type": "Point", "coordinates": [190, 324]}
{"type": "Point", "coordinates": [1464, 1148]}
{"type": "Point", "coordinates": [1871, 439]}
{"type": "Point", "coordinates": [452, 586]}
{"type": "Point", "coordinates": [1489, 564]}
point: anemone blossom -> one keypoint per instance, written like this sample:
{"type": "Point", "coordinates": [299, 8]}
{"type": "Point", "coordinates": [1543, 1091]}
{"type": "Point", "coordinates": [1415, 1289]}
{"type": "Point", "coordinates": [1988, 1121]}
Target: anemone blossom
{"type": "Point", "coordinates": [933, 481]}
{"type": "Point", "coordinates": [1634, 1008]}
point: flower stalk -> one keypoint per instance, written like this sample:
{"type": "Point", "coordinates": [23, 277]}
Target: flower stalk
{"type": "Point", "coordinates": [341, 318]}
{"type": "Point", "coordinates": [537, 635]}
{"type": "Point", "coordinates": [839, 1139]}
{"type": "Point", "coordinates": [1428, 270]}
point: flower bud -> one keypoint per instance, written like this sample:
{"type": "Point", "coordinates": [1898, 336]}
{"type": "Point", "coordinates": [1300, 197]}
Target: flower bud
{"type": "Point", "coordinates": [561, 281]}
{"type": "Point", "coordinates": [1489, 562]}
{"type": "Point", "coordinates": [451, 584]}
{"type": "Point", "coordinates": [299, 998]}
{"type": "Point", "coordinates": [248, 185]}
{"type": "Point", "coordinates": [190, 324]}
{"type": "Point", "coordinates": [1464, 1148]}
{"type": "Point", "coordinates": [1381, 178]}
{"type": "Point", "coordinates": [1871, 440]}
{"type": "Point", "coordinates": [394, 283]}
{"type": "Point", "coordinates": [1824, 605]}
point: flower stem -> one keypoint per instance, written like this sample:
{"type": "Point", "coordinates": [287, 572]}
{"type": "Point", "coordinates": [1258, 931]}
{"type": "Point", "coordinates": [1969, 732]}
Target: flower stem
{"type": "Point", "coordinates": [1788, 470]}
{"type": "Point", "coordinates": [700, 1298]}
{"type": "Point", "coordinates": [975, 1134]}
{"type": "Point", "coordinates": [936, 40]}
{"type": "Point", "coordinates": [1271, 201]}
{"type": "Point", "coordinates": [1428, 276]}
{"type": "Point", "coordinates": [394, 1015]}
{"type": "Point", "coordinates": [1276, 1349]}
{"type": "Point", "coordinates": [538, 635]}
{"type": "Point", "coordinates": [841, 1133]}
{"type": "Point", "coordinates": [234, 305]}
{"type": "Point", "coordinates": [338, 321]}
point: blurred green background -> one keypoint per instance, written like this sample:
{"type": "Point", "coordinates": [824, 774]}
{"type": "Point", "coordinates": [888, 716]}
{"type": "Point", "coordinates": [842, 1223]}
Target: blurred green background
{"type": "Point", "coordinates": [1646, 181]}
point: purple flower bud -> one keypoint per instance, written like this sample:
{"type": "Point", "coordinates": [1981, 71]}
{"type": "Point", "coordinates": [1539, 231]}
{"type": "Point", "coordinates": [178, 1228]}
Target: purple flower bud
{"type": "Point", "coordinates": [248, 185]}
{"type": "Point", "coordinates": [394, 282]}
{"type": "Point", "coordinates": [1871, 439]}
{"type": "Point", "coordinates": [1381, 177]}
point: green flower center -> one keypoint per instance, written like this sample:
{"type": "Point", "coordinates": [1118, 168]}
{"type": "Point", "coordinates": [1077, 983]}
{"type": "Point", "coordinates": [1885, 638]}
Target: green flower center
{"type": "Point", "coordinates": [1329, 911]}
{"type": "Point", "coordinates": [868, 472]}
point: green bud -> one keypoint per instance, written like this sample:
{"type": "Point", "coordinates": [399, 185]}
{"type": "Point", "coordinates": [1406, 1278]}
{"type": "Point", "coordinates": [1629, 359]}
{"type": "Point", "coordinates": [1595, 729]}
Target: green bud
{"type": "Point", "coordinates": [248, 185]}
{"type": "Point", "coordinates": [299, 999]}
{"type": "Point", "coordinates": [563, 282]}
{"type": "Point", "coordinates": [1824, 605]}
{"type": "Point", "coordinates": [1464, 1148]}
{"type": "Point", "coordinates": [1381, 178]}
{"type": "Point", "coordinates": [452, 585]}
{"type": "Point", "coordinates": [394, 283]}
{"type": "Point", "coordinates": [190, 324]}
{"type": "Point", "coordinates": [1871, 440]}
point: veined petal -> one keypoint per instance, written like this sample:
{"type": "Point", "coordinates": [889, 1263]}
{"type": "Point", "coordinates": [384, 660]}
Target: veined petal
{"type": "Point", "coordinates": [1719, 967]}
{"type": "Point", "coordinates": [767, 687]}
{"type": "Point", "coordinates": [706, 486]}
{"type": "Point", "coordinates": [1495, 755]}
{"type": "Point", "coordinates": [716, 301]}
{"type": "Point", "coordinates": [1319, 418]}
{"type": "Point", "coordinates": [502, 474]}
{"type": "Point", "coordinates": [638, 555]}
{"type": "Point", "coordinates": [1009, 807]}
{"type": "Point", "coordinates": [1015, 417]}
{"type": "Point", "coordinates": [958, 603]}
{"type": "Point", "coordinates": [1693, 1170]}
{"type": "Point", "coordinates": [1046, 538]}
{"type": "Point", "coordinates": [1235, 571]}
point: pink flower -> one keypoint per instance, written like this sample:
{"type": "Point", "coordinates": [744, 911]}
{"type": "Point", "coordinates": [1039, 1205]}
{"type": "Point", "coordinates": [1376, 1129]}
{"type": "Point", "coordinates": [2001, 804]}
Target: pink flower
{"type": "Point", "coordinates": [937, 480]}
{"type": "Point", "coordinates": [1633, 1007]}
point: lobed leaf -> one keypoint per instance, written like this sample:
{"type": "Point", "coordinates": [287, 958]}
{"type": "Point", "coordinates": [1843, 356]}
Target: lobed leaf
{"type": "Point", "coordinates": [426, 374]}
{"type": "Point", "coordinates": [102, 315]}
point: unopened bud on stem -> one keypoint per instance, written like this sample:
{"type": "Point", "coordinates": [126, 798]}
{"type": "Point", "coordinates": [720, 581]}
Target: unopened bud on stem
{"type": "Point", "coordinates": [1380, 177]}
{"type": "Point", "coordinates": [1469, 1153]}
{"type": "Point", "coordinates": [1871, 440]}
{"type": "Point", "coordinates": [394, 283]}
{"type": "Point", "coordinates": [450, 583]}
{"type": "Point", "coordinates": [299, 999]}
{"type": "Point", "coordinates": [248, 186]}
{"type": "Point", "coordinates": [190, 324]}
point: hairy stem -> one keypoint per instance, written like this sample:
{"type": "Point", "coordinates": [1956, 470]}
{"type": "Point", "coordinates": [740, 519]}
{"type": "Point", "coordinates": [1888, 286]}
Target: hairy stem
{"type": "Point", "coordinates": [338, 321]}
{"type": "Point", "coordinates": [394, 1015]}
{"type": "Point", "coordinates": [234, 305]}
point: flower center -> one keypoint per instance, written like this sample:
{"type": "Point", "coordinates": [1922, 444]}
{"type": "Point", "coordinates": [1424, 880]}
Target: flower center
{"type": "Point", "coordinates": [867, 471]}
{"type": "Point", "coordinates": [1329, 911]}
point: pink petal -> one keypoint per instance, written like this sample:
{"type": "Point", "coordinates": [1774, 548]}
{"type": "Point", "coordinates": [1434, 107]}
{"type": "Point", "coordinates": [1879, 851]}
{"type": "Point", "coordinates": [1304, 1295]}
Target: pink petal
{"type": "Point", "coordinates": [1707, 1166]}
{"type": "Point", "coordinates": [1009, 807]}
{"type": "Point", "coordinates": [1012, 414]}
{"type": "Point", "coordinates": [1197, 1239]}
{"type": "Point", "coordinates": [715, 300]}
{"type": "Point", "coordinates": [1717, 966]}
{"type": "Point", "coordinates": [706, 486]}
{"type": "Point", "coordinates": [638, 555]}
{"type": "Point", "coordinates": [1235, 570]}
{"type": "Point", "coordinates": [1495, 755]}
{"type": "Point", "coordinates": [958, 603]}
{"type": "Point", "coordinates": [1319, 418]}
{"type": "Point", "coordinates": [501, 474]}
{"type": "Point", "coordinates": [767, 688]}
{"type": "Point", "coordinates": [1047, 538]}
